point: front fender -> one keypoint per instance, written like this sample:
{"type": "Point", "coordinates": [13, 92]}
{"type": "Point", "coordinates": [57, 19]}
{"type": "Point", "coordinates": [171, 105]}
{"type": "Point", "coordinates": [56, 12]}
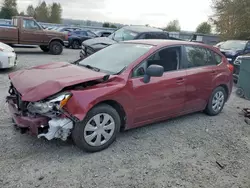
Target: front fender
{"type": "Point", "coordinates": [84, 100]}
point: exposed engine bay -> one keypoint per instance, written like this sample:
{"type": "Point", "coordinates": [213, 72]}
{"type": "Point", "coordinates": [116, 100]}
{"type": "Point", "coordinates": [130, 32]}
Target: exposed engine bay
{"type": "Point", "coordinates": [59, 125]}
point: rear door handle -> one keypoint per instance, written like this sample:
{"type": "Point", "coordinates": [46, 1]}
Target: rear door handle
{"type": "Point", "coordinates": [180, 80]}
{"type": "Point", "coordinates": [213, 72]}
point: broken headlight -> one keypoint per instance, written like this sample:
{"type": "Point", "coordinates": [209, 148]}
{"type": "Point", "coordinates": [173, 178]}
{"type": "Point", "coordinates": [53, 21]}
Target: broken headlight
{"type": "Point", "coordinates": [47, 106]}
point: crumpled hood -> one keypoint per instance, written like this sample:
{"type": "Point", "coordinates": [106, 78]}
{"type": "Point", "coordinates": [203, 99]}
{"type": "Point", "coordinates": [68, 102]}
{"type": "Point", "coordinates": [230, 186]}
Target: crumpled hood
{"type": "Point", "coordinates": [6, 48]}
{"type": "Point", "coordinates": [98, 43]}
{"type": "Point", "coordinates": [40, 82]}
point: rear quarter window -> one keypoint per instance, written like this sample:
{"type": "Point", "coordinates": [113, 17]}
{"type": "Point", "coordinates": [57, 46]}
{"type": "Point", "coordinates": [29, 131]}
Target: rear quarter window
{"type": "Point", "coordinates": [218, 58]}
{"type": "Point", "coordinates": [199, 56]}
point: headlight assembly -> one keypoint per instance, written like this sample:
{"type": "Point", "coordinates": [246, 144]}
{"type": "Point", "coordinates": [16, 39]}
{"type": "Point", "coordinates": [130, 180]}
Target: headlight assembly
{"type": "Point", "coordinates": [44, 107]}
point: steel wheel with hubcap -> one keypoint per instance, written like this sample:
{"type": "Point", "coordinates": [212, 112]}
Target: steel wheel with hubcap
{"type": "Point", "coordinates": [216, 101]}
{"type": "Point", "coordinates": [98, 129]}
{"type": "Point", "coordinates": [56, 48]}
{"type": "Point", "coordinates": [76, 44]}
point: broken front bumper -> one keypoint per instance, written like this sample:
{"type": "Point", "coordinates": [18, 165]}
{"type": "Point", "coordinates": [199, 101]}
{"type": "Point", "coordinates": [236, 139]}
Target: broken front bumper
{"type": "Point", "coordinates": [41, 126]}
{"type": "Point", "coordinates": [32, 124]}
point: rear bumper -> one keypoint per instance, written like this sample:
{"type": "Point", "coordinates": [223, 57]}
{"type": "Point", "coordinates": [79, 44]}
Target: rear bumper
{"type": "Point", "coordinates": [8, 60]}
{"type": "Point", "coordinates": [30, 123]}
{"type": "Point", "coordinates": [66, 43]}
{"type": "Point", "coordinates": [235, 77]}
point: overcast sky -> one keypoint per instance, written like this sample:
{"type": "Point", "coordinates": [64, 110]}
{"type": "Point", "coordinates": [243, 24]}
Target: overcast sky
{"type": "Point", "coordinates": [153, 12]}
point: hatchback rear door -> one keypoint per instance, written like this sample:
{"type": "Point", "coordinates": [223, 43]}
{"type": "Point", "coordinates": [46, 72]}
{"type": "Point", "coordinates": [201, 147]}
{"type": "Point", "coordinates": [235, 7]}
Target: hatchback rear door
{"type": "Point", "coordinates": [201, 70]}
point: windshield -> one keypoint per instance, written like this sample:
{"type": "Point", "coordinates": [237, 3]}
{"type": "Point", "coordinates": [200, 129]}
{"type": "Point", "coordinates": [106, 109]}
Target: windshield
{"type": "Point", "coordinates": [116, 57]}
{"type": "Point", "coordinates": [233, 45]}
{"type": "Point", "coordinates": [122, 35]}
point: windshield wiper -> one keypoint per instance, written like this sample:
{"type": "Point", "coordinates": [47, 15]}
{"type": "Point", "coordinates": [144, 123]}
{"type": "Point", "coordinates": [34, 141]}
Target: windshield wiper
{"type": "Point", "coordinates": [121, 70]}
{"type": "Point", "coordinates": [92, 68]}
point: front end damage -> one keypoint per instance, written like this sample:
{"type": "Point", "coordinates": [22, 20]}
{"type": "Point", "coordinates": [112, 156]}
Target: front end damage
{"type": "Point", "coordinates": [45, 118]}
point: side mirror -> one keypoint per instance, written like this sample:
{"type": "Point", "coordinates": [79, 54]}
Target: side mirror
{"type": "Point", "coordinates": [153, 71]}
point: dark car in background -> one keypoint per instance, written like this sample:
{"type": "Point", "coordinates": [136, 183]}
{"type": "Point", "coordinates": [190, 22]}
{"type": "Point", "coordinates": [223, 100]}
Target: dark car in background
{"type": "Point", "coordinates": [76, 38]}
{"type": "Point", "coordinates": [103, 33]}
{"type": "Point", "coordinates": [125, 33]}
{"type": "Point", "coordinates": [234, 48]}
{"type": "Point", "coordinates": [67, 29]}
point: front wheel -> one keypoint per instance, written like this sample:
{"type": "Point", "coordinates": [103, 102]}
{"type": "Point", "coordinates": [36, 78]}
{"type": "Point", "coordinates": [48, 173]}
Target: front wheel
{"type": "Point", "coordinates": [98, 130]}
{"type": "Point", "coordinates": [76, 44]}
{"type": "Point", "coordinates": [216, 101]}
{"type": "Point", "coordinates": [55, 48]}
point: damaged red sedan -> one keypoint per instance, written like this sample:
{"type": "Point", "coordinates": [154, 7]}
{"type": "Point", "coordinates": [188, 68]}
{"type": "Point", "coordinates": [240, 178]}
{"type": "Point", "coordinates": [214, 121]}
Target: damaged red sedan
{"type": "Point", "coordinates": [123, 86]}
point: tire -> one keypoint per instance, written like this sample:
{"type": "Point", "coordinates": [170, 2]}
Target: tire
{"type": "Point", "coordinates": [240, 92]}
{"type": "Point", "coordinates": [76, 44]}
{"type": "Point", "coordinates": [80, 134]}
{"type": "Point", "coordinates": [55, 48]}
{"type": "Point", "coordinates": [221, 96]}
{"type": "Point", "coordinates": [44, 48]}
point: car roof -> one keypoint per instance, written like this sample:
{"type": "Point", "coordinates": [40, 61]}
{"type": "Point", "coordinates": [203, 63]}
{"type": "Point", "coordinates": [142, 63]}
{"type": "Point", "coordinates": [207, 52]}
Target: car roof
{"type": "Point", "coordinates": [141, 29]}
{"type": "Point", "coordinates": [163, 42]}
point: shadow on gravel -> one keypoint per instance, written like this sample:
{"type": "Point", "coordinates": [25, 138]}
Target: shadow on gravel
{"type": "Point", "coordinates": [8, 70]}
{"type": "Point", "coordinates": [20, 46]}
{"type": "Point", "coordinates": [31, 53]}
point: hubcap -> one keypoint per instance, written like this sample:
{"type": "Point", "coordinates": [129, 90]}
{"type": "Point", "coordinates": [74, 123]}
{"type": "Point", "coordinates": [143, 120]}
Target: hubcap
{"type": "Point", "coordinates": [56, 48]}
{"type": "Point", "coordinates": [99, 129]}
{"type": "Point", "coordinates": [218, 101]}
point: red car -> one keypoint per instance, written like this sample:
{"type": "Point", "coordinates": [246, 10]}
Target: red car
{"type": "Point", "coordinates": [123, 86]}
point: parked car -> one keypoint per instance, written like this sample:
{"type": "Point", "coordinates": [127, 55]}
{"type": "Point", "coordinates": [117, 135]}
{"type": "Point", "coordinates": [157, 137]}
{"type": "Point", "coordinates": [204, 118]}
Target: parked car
{"type": "Point", "coordinates": [76, 38]}
{"type": "Point", "coordinates": [103, 33]}
{"type": "Point", "coordinates": [67, 29]}
{"type": "Point", "coordinates": [126, 85]}
{"type": "Point", "coordinates": [125, 33]}
{"type": "Point", "coordinates": [237, 64]}
{"type": "Point", "coordinates": [25, 30]}
{"type": "Point", "coordinates": [8, 57]}
{"type": "Point", "coordinates": [233, 48]}
{"type": "Point", "coordinates": [219, 44]}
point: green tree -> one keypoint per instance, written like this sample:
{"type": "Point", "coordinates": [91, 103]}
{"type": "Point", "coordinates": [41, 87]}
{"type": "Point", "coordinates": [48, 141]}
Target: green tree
{"type": "Point", "coordinates": [105, 24]}
{"type": "Point", "coordinates": [112, 26]}
{"type": "Point", "coordinates": [231, 18]}
{"type": "Point", "coordinates": [173, 25]}
{"type": "Point", "coordinates": [22, 14]}
{"type": "Point", "coordinates": [204, 28]}
{"type": "Point", "coordinates": [42, 12]}
{"type": "Point", "coordinates": [31, 11]}
{"type": "Point", "coordinates": [9, 9]}
{"type": "Point", "coordinates": [55, 13]}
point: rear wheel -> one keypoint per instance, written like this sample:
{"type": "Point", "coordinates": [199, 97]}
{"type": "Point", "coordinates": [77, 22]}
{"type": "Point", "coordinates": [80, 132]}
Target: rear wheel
{"type": "Point", "coordinates": [216, 101]}
{"type": "Point", "coordinates": [44, 48]}
{"type": "Point", "coordinates": [76, 44]}
{"type": "Point", "coordinates": [98, 130]}
{"type": "Point", "coordinates": [55, 48]}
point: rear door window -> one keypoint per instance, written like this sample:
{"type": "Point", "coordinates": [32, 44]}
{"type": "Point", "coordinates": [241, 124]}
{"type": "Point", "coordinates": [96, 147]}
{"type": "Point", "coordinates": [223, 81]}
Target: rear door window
{"type": "Point", "coordinates": [84, 33]}
{"type": "Point", "coordinates": [198, 56]}
{"type": "Point", "coordinates": [90, 34]}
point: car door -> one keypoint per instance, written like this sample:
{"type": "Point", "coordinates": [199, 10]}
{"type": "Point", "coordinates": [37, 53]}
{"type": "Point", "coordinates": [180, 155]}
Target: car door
{"type": "Point", "coordinates": [201, 69]}
{"type": "Point", "coordinates": [32, 33]}
{"type": "Point", "coordinates": [162, 97]}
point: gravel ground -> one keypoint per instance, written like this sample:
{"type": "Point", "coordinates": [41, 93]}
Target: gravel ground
{"type": "Point", "coordinates": [178, 153]}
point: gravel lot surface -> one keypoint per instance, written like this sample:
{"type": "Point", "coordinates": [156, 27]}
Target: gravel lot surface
{"type": "Point", "coordinates": [178, 153]}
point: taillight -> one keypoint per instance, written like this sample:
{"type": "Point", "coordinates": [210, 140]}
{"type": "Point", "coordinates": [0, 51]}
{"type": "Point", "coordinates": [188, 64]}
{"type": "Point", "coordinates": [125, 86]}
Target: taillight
{"type": "Point", "coordinates": [230, 67]}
